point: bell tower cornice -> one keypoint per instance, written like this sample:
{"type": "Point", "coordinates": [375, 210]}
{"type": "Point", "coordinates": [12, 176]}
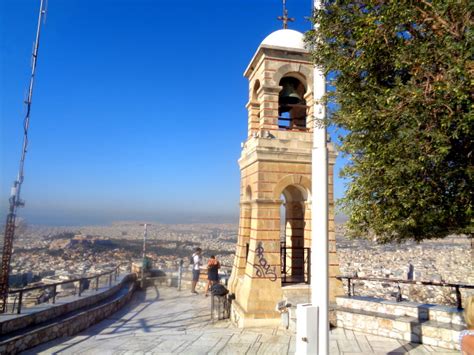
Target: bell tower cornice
{"type": "Point", "coordinates": [269, 52]}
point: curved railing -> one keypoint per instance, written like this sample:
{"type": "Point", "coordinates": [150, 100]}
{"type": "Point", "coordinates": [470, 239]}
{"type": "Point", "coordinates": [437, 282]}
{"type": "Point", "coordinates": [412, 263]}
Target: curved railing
{"type": "Point", "coordinates": [455, 286]}
{"type": "Point", "coordinates": [83, 283]}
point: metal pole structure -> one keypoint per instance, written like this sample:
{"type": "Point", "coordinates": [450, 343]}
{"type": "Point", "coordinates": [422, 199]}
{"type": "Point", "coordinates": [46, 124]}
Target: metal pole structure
{"type": "Point", "coordinates": [15, 200]}
{"type": "Point", "coordinates": [180, 273]}
{"type": "Point", "coordinates": [319, 233]}
{"type": "Point", "coordinates": [144, 255]}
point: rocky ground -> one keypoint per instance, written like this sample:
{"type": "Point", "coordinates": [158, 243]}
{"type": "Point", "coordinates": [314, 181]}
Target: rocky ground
{"type": "Point", "coordinates": [447, 260]}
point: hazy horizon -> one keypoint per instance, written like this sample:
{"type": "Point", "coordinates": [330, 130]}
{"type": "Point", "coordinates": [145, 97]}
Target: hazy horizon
{"type": "Point", "coordinates": [78, 221]}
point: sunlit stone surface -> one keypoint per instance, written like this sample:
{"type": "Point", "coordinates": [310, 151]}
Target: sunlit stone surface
{"type": "Point", "coordinates": [166, 321]}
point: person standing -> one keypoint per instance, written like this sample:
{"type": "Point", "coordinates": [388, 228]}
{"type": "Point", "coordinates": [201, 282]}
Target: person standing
{"type": "Point", "coordinates": [213, 267]}
{"type": "Point", "coordinates": [197, 262]}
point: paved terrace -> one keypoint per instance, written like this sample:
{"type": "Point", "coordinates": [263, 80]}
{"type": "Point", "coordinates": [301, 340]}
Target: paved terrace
{"type": "Point", "coordinates": [165, 321]}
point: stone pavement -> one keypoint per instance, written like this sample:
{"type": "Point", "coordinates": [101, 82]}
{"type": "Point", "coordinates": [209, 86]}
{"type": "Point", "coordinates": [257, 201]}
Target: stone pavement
{"type": "Point", "coordinates": [165, 321]}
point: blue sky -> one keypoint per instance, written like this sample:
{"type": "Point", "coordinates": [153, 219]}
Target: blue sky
{"type": "Point", "coordinates": [138, 110]}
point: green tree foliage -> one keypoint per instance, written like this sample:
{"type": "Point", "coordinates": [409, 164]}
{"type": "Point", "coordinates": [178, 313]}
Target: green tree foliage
{"type": "Point", "coordinates": [402, 74]}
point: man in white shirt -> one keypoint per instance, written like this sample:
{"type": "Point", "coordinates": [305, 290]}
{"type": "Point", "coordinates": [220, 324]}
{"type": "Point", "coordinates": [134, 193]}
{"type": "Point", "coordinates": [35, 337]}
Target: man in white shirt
{"type": "Point", "coordinates": [197, 262]}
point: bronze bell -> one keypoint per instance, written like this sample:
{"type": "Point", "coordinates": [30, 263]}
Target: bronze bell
{"type": "Point", "coordinates": [289, 95]}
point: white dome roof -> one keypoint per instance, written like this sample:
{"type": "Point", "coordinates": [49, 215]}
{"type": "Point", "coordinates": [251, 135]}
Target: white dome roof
{"type": "Point", "coordinates": [285, 38]}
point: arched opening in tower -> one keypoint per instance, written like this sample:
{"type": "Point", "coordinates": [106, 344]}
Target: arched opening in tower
{"type": "Point", "coordinates": [294, 254]}
{"type": "Point", "coordinates": [291, 104]}
{"type": "Point", "coordinates": [255, 115]}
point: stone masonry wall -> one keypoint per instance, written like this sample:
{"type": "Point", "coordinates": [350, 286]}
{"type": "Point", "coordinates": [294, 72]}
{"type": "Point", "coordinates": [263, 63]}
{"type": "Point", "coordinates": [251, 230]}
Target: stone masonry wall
{"type": "Point", "coordinates": [420, 323]}
{"type": "Point", "coordinates": [45, 312]}
{"type": "Point", "coordinates": [68, 326]}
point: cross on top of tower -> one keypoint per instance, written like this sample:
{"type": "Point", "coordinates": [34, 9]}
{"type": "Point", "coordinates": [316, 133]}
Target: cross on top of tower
{"type": "Point", "coordinates": [285, 19]}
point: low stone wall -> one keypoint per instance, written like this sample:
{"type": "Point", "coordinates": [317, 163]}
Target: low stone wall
{"type": "Point", "coordinates": [44, 312]}
{"type": "Point", "coordinates": [420, 311]}
{"type": "Point", "coordinates": [298, 293]}
{"type": "Point", "coordinates": [73, 324]}
{"type": "Point", "coordinates": [415, 322]}
{"type": "Point", "coordinates": [172, 281]}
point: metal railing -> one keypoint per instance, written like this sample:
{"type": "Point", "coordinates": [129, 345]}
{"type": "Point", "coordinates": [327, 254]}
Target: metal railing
{"type": "Point", "coordinates": [84, 283]}
{"type": "Point", "coordinates": [299, 269]}
{"type": "Point", "coordinates": [456, 287]}
{"type": "Point", "coordinates": [175, 276]}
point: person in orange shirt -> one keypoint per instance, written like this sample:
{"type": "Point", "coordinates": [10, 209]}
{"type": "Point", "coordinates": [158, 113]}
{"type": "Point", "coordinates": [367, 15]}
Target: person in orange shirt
{"type": "Point", "coordinates": [213, 266]}
{"type": "Point", "coordinates": [467, 336]}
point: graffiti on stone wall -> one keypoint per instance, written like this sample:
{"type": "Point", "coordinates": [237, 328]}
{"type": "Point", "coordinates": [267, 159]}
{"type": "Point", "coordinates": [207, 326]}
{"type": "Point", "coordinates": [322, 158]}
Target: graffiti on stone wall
{"type": "Point", "coordinates": [263, 268]}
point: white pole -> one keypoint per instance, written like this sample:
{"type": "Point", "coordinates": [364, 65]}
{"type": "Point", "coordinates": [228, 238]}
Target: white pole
{"type": "Point", "coordinates": [319, 205]}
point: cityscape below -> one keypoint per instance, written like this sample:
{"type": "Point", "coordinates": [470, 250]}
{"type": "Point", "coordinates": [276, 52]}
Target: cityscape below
{"type": "Point", "coordinates": [45, 254]}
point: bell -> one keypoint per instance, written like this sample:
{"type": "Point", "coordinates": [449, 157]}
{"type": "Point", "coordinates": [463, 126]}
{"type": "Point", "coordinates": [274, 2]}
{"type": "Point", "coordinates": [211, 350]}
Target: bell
{"type": "Point", "coordinates": [289, 95]}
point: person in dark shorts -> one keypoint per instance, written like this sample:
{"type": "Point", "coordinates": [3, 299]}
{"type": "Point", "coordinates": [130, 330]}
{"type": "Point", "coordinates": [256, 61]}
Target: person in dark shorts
{"type": "Point", "coordinates": [212, 272]}
{"type": "Point", "coordinates": [196, 268]}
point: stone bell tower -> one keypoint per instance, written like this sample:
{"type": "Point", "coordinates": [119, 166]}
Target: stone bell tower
{"type": "Point", "coordinates": [274, 237]}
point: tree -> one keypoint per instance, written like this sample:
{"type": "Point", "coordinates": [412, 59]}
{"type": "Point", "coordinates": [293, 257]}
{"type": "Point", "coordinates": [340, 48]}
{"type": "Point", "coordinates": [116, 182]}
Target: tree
{"type": "Point", "coordinates": [402, 76]}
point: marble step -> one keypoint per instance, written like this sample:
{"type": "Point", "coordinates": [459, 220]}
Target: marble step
{"type": "Point", "coordinates": [420, 311]}
{"type": "Point", "coordinates": [403, 327]}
